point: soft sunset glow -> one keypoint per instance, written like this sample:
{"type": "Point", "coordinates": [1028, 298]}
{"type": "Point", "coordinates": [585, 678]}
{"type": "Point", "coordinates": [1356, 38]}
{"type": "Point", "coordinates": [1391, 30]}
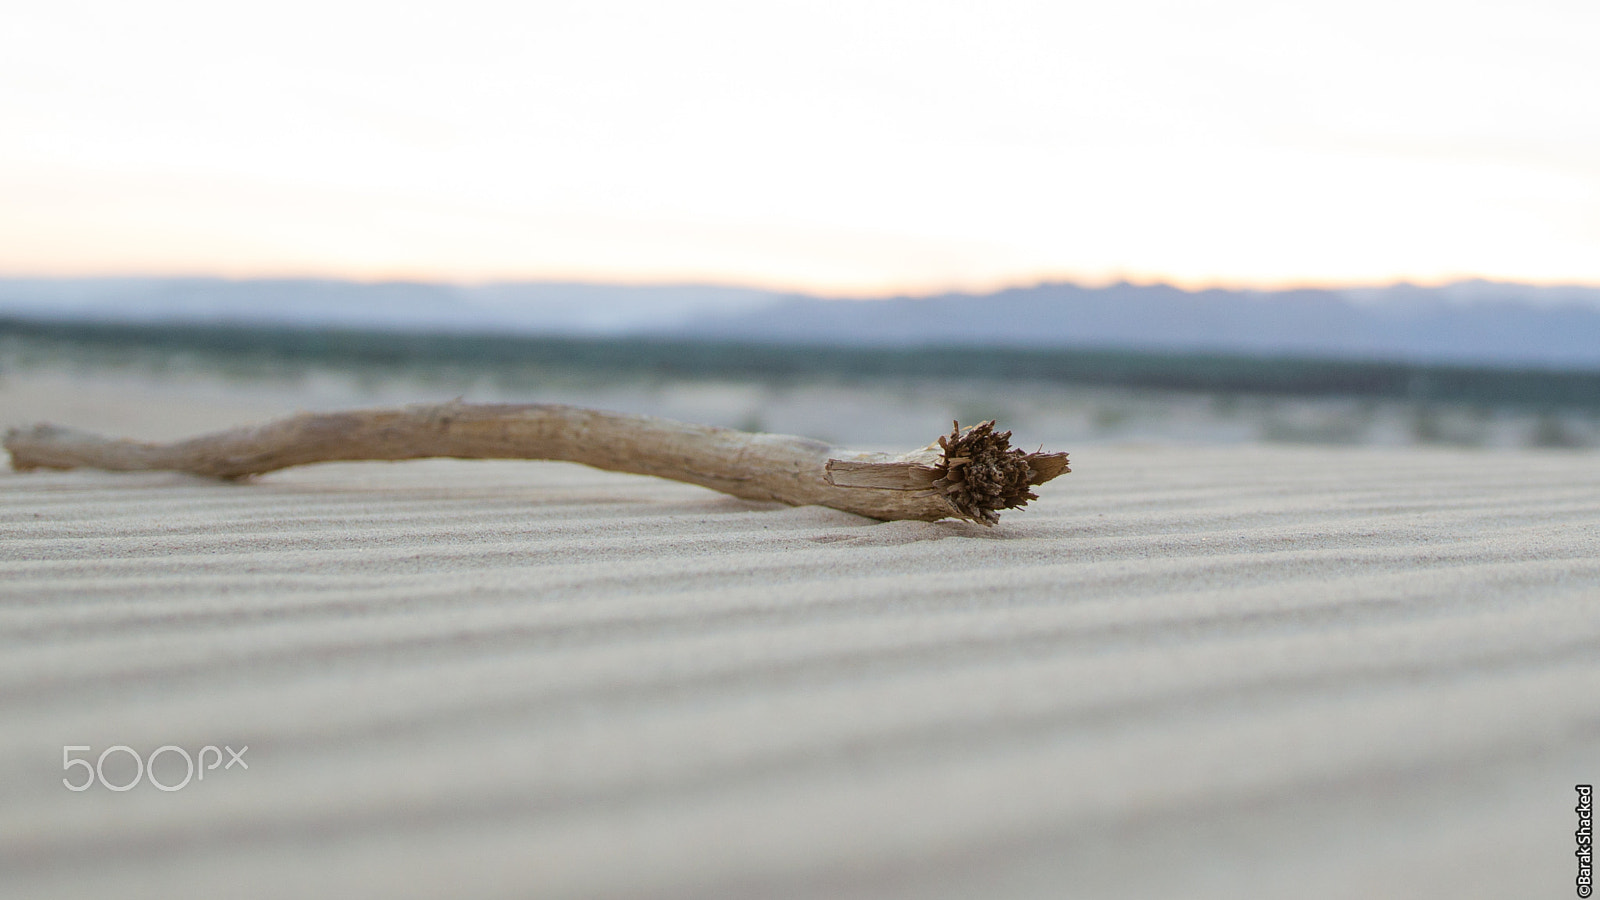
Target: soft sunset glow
{"type": "Point", "coordinates": [839, 148]}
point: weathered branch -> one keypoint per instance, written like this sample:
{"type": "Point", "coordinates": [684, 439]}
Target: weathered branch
{"type": "Point", "coordinates": [971, 474]}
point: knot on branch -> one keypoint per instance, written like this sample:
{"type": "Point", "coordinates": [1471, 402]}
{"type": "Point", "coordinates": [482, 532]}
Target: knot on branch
{"type": "Point", "coordinates": [981, 473]}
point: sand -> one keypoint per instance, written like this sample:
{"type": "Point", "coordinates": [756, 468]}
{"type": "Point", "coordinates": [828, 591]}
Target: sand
{"type": "Point", "coordinates": [1188, 671]}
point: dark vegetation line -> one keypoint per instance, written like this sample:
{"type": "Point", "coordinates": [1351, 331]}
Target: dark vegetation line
{"type": "Point", "coordinates": [513, 355]}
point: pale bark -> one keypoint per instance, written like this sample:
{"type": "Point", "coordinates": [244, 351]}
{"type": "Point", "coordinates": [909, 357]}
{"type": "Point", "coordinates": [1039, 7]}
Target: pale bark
{"type": "Point", "coordinates": [783, 468]}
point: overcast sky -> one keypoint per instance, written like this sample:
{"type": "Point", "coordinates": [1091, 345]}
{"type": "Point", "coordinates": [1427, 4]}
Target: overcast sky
{"type": "Point", "coordinates": [846, 148]}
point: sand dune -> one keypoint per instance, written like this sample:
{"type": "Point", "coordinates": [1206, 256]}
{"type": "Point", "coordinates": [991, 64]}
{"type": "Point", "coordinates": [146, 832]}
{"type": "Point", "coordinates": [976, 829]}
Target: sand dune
{"type": "Point", "coordinates": [1210, 672]}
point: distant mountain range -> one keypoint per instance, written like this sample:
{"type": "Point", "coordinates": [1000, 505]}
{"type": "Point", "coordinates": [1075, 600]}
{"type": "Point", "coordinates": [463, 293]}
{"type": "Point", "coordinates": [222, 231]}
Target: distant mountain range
{"type": "Point", "coordinates": [531, 308]}
{"type": "Point", "coordinates": [1472, 322]}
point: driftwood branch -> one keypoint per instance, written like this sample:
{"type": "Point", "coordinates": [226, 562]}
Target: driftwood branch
{"type": "Point", "coordinates": [970, 474]}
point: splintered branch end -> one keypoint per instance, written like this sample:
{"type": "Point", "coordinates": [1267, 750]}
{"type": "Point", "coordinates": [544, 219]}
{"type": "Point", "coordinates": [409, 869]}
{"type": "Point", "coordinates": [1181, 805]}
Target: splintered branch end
{"type": "Point", "coordinates": [981, 473]}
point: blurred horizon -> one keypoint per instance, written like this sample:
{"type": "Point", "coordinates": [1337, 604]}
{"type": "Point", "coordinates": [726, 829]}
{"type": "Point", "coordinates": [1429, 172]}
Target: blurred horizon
{"type": "Point", "coordinates": [1474, 323]}
{"type": "Point", "coordinates": [1002, 285]}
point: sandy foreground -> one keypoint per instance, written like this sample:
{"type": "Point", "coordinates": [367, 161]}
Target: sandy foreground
{"type": "Point", "coordinates": [1199, 672]}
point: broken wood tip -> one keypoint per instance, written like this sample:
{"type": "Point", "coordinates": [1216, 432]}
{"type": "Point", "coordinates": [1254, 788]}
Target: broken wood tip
{"type": "Point", "coordinates": [981, 473]}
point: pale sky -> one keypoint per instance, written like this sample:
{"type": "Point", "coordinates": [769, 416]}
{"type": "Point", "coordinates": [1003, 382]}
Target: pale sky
{"type": "Point", "coordinates": [843, 148]}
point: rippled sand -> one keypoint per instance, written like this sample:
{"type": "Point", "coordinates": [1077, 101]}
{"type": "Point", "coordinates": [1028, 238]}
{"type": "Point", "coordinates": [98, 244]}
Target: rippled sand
{"type": "Point", "coordinates": [1216, 672]}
